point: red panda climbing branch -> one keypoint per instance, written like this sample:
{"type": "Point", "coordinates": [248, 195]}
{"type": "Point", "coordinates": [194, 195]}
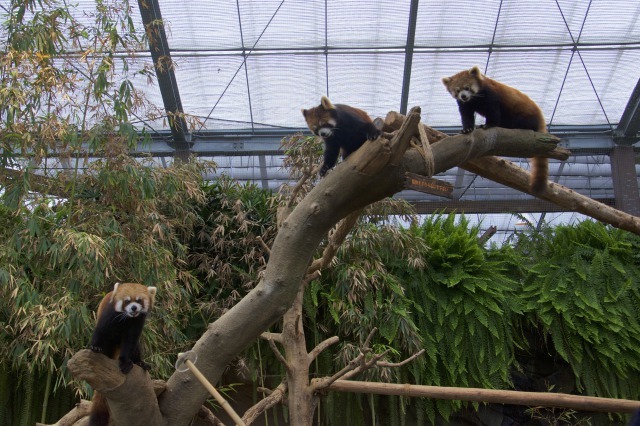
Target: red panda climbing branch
{"type": "Point", "coordinates": [342, 128]}
{"type": "Point", "coordinates": [502, 106]}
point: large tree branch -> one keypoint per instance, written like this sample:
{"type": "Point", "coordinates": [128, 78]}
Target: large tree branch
{"type": "Point", "coordinates": [449, 151]}
{"type": "Point", "coordinates": [373, 172]}
{"type": "Point", "coordinates": [507, 173]}
{"type": "Point", "coordinates": [350, 186]}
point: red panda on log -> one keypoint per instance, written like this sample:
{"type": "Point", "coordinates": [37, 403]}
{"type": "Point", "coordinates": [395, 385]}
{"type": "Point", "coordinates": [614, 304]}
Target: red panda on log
{"type": "Point", "coordinates": [502, 106]}
{"type": "Point", "coordinates": [120, 319]}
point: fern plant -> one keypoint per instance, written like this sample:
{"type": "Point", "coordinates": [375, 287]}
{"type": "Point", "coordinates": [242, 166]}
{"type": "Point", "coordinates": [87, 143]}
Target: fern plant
{"type": "Point", "coordinates": [468, 309]}
{"type": "Point", "coordinates": [583, 290]}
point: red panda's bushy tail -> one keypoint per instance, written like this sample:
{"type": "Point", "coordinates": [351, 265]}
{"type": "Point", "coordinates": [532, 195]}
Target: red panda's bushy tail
{"type": "Point", "coordinates": [99, 414]}
{"type": "Point", "coordinates": [539, 175]}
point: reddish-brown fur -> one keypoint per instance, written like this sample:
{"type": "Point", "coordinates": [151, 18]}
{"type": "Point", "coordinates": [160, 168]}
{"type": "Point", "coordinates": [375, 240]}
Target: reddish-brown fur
{"type": "Point", "coordinates": [502, 106]}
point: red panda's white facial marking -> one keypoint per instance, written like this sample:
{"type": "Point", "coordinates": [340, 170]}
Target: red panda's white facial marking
{"type": "Point", "coordinates": [464, 85]}
{"type": "Point", "coordinates": [132, 308]}
{"type": "Point", "coordinates": [327, 130]}
{"type": "Point", "coordinates": [324, 130]}
{"type": "Point", "coordinates": [464, 93]}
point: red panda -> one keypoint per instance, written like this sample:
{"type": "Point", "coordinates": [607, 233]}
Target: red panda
{"type": "Point", "coordinates": [120, 318]}
{"type": "Point", "coordinates": [342, 128]}
{"type": "Point", "coordinates": [502, 106]}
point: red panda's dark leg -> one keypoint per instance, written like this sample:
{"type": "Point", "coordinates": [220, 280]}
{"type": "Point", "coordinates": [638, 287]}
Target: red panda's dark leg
{"type": "Point", "coordinates": [105, 339]}
{"type": "Point", "coordinates": [130, 343]}
{"type": "Point", "coordinates": [331, 152]}
{"type": "Point", "coordinates": [467, 116]}
{"type": "Point", "coordinates": [493, 117]}
{"type": "Point", "coordinates": [373, 132]}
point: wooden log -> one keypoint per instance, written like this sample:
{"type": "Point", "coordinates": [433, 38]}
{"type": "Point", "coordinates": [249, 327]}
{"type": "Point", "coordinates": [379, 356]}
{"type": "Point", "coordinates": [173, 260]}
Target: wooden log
{"type": "Point", "coordinates": [533, 399]}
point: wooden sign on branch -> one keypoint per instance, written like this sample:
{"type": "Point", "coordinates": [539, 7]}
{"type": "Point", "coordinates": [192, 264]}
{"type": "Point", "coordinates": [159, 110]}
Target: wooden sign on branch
{"type": "Point", "coordinates": [428, 185]}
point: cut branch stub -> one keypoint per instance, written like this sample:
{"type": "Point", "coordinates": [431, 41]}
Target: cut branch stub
{"type": "Point", "coordinates": [103, 374]}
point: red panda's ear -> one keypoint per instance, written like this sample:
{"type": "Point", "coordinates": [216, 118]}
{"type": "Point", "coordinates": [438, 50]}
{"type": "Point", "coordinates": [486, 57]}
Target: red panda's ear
{"type": "Point", "coordinates": [152, 292]}
{"type": "Point", "coordinates": [113, 292]}
{"type": "Point", "coordinates": [304, 112]}
{"type": "Point", "coordinates": [445, 80]}
{"type": "Point", "coordinates": [326, 103]}
{"type": "Point", "coordinates": [475, 71]}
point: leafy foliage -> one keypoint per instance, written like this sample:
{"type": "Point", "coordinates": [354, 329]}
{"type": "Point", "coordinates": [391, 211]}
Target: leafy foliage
{"type": "Point", "coordinates": [431, 286]}
{"type": "Point", "coordinates": [583, 290]}
{"type": "Point", "coordinates": [71, 226]}
{"type": "Point", "coordinates": [227, 251]}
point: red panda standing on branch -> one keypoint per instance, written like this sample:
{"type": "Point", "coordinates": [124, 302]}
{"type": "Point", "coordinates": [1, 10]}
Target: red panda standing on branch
{"type": "Point", "coordinates": [502, 106]}
{"type": "Point", "coordinates": [120, 319]}
{"type": "Point", "coordinates": [342, 128]}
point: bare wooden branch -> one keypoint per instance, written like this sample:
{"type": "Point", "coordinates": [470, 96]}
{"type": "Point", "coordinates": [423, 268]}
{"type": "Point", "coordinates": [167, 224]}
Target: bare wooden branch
{"type": "Point", "coordinates": [355, 366]}
{"type": "Point", "coordinates": [546, 399]}
{"type": "Point", "coordinates": [208, 418]}
{"type": "Point", "coordinates": [265, 391]}
{"type": "Point", "coordinates": [365, 365]}
{"type": "Point", "coordinates": [275, 397]}
{"type": "Point", "coordinates": [299, 184]}
{"type": "Point", "coordinates": [401, 141]}
{"type": "Point", "coordinates": [276, 337]}
{"type": "Point", "coordinates": [426, 147]}
{"type": "Point", "coordinates": [336, 238]}
{"type": "Point", "coordinates": [367, 341]}
{"type": "Point", "coordinates": [507, 173]}
{"type": "Point", "coordinates": [321, 347]}
{"type": "Point", "coordinates": [278, 354]}
{"type": "Point", "coordinates": [265, 247]}
{"type": "Point", "coordinates": [401, 363]}
{"type": "Point", "coordinates": [310, 277]}
{"type": "Point", "coordinates": [80, 411]}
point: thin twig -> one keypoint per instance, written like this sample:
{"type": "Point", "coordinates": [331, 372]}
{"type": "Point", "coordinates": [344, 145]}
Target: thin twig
{"type": "Point", "coordinates": [336, 238]}
{"type": "Point", "coordinates": [401, 363]}
{"type": "Point", "coordinates": [311, 277]}
{"type": "Point", "coordinates": [299, 184]}
{"type": "Point", "coordinates": [321, 347]}
{"type": "Point", "coordinates": [278, 354]}
{"type": "Point", "coordinates": [265, 247]}
{"type": "Point", "coordinates": [276, 337]}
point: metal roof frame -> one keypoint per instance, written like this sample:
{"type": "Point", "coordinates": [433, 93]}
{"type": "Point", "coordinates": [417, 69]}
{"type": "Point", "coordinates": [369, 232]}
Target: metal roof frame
{"type": "Point", "coordinates": [261, 142]}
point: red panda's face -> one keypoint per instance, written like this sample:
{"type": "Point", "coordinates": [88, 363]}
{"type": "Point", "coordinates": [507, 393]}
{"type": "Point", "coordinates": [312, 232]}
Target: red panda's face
{"type": "Point", "coordinates": [464, 85]}
{"type": "Point", "coordinates": [133, 299]}
{"type": "Point", "coordinates": [321, 120]}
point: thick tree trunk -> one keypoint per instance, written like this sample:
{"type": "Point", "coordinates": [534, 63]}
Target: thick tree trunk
{"type": "Point", "coordinates": [300, 396]}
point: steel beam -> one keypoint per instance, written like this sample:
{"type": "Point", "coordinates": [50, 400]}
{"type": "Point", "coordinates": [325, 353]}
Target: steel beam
{"type": "Point", "coordinates": [625, 179]}
{"type": "Point", "coordinates": [408, 56]}
{"type": "Point", "coordinates": [161, 55]}
{"type": "Point", "coordinates": [627, 130]}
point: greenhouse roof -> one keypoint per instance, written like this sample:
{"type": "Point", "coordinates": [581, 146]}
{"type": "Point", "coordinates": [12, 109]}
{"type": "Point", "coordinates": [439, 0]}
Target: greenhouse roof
{"type": "Point", "coordinates": [254, 64]}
